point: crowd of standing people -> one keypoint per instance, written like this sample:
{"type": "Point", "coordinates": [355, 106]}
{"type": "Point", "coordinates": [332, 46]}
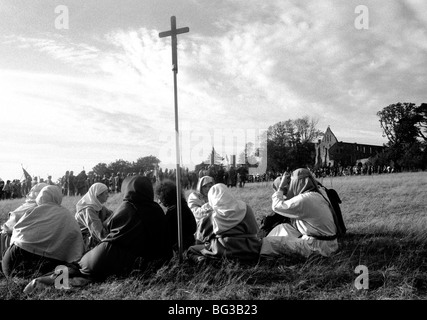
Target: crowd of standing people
{"type": "Point", "coordinates": [359, 169]}
{"type": "Point", "coordinates": [16, 189]}
{"type": "Point", "coordinates": [78, 184]}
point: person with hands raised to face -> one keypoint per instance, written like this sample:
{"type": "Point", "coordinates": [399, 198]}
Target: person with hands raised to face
{"type": "Point", "coordinates": [311, 229]}
{"type": "Point", "coordinates": [199, 205]}
{"type": "Point", "coordinates": [285, 182]}
{"type": "Point", "coordinates": [272, 220]}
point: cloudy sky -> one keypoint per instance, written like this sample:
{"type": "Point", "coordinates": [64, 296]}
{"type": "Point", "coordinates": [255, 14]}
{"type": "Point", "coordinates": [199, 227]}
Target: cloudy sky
{"type": "Point", "coordinates": [90, 81]}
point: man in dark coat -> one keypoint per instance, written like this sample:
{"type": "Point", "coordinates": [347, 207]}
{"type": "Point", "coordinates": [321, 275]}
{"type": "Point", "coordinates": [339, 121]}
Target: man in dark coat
{"type": "Point", "coordinates": [81, 183]}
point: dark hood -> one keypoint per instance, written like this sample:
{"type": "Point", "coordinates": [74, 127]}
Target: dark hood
{"type": "Point", "coordinates": [137, 190]}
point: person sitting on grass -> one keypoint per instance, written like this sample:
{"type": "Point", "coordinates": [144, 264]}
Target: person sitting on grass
{"type": "Point", "coordinates": [44, 237]}
{"type": "Point", "coordinates": [137, 233]}
{"type": "Point", "coordinates": [166, 194]}
{"type": "Point", "coordinates": [15, 216]}
{"type": "Point", "coordinates": [136, 229]}
{"type": "Point", "coordinates": [234, 234]}
{"type": "Point", "coordinates": [312, 228]}
{"type": "Point", "coordinates": [199, 205]}
{"type": "Point", "coordinates": [92, 215]}
{"type": "Point", "coordinates": [270, 221]}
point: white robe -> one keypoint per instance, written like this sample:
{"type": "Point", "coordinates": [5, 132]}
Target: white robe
{"type": "Point", "coordinates": [49, 230]}
{"type": "Point", "coordinates": [311, 216]}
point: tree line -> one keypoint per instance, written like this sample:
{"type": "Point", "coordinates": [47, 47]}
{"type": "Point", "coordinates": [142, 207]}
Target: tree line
{"type": "Point", "coordinates": [405, 126]}
{"type": "Point", "coordinates": [141, 165]}
{"type": "Point", "coordinates": [291, 143]}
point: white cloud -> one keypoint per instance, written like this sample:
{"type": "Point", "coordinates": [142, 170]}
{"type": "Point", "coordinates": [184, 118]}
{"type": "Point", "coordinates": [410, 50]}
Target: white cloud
{"type": "Point", "coordinates": [259, 63]}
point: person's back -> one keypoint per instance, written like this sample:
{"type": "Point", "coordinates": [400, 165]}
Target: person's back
{"type": "Point", "coordinates": [7, 190]}
{"type": "Point", "coordinates": [71, 184]}
{"type": "Point", "coordinates": [166, 194]}
{"type": "Point", "coordinates": [1, 189]}
{"type": "Point", "coordinates": [64, 183]}
{"type": "Point", "coordinates": [234, 233]}
{"type": "Point", "coordinates": [49, 229]}
{"type": "Point", "coordinates": [80, 182]}
{"type": "Point", "coordinates": [136, 229]}
{"type": "Point", "coordinates": [16, 215]}
{"type": "Point", "coordinates": [30, 203]}
{"type": "Point", "coordinates": [46, 233]}
{"type": "Point", "coordinates": [240, 242]}
{"type": "Point", "coordinates": [189, 226]}
{"type": "Point", "coordinates": [146, 236]}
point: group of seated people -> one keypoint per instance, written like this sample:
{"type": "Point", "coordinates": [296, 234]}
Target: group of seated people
{"type": "Point", "coordinates": [97, 242]}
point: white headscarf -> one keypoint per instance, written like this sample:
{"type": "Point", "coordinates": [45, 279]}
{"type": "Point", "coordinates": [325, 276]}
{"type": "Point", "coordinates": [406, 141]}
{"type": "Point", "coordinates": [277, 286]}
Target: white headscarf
{"type": "Point", "coordinates": [228, 212]}
{"type": "Point", "coordinates": [49, 195]}
{"type": "Point", "coordinates": [203, 181]}
{"type": "Point", "coordinates": [301, 181]}
{"type": "Point", "coordinates": [90, 199]}
{"type": "Point", "coordinates": [30, 202]}
{"type": "Point", "coordinates": [49, 230]}
{"type": "Point", "coordinates": [34, 192]}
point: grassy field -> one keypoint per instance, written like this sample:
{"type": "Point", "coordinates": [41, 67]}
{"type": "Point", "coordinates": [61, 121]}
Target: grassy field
{"type": "Point", "coordinates": [386, 220]}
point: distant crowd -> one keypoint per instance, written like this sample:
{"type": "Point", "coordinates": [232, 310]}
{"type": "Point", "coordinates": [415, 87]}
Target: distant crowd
{"type": "Point", "coordinates": [361, 169]}
{"type": "Point", "coordinates": [74, 185]}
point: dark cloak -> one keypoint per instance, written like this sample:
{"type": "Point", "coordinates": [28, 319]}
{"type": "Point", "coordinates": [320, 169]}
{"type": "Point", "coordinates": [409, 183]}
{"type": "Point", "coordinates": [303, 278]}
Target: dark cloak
{"type": "Point", "coordinates": [137, 229]}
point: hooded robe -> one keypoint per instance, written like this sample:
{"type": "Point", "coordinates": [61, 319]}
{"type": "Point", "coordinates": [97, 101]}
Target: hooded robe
{"type": "Point", "coordinates": [136, 229]}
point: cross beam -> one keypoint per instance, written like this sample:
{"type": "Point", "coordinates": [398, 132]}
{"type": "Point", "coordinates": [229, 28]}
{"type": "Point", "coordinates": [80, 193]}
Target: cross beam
{"type": "Point", "coordinates": [172, 33]}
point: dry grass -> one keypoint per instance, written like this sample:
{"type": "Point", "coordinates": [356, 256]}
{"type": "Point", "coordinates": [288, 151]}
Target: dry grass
{"type": "Point", "coordinates": [386, 220]}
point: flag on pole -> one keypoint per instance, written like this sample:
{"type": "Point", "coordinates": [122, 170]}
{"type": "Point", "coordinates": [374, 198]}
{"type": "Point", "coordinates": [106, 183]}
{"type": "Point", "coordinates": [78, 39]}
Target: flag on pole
{"type": "Point", "coordinates": [26, 174]}
{"type": "Point", "coordinates": [214, 158]}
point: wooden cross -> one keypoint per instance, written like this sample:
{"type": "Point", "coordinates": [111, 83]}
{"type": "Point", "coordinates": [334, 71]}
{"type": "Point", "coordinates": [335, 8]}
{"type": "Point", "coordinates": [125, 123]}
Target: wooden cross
{"type": "Point", "coordinates": [172, 33]}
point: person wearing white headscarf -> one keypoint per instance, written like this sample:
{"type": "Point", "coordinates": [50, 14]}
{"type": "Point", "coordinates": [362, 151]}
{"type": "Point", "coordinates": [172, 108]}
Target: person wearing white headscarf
{"type": "Point", "coordinates": [15, 215]}
{"type": "Point", "coordinates": [235, 228]}
{"type": "Point", "coordinates": [312, 228]}
{"type": "Point", "coordinates": [44, 237]}
{"type": "Point", "coordinates": [138, 237]}
{"type": "Point", "coordinates": [198, 199]}
{"type": "Point", "coordinates": [92, 215]}
{"type": "Point", "coordinates": [199, 205]}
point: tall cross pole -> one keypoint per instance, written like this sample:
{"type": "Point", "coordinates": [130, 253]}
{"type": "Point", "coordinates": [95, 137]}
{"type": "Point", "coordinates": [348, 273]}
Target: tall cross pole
{"type": "Point", "coordinates": [172, 33]}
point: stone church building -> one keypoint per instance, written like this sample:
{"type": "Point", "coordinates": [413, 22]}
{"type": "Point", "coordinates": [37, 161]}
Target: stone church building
{"type": "Point", "coordinates": [331, 152]}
